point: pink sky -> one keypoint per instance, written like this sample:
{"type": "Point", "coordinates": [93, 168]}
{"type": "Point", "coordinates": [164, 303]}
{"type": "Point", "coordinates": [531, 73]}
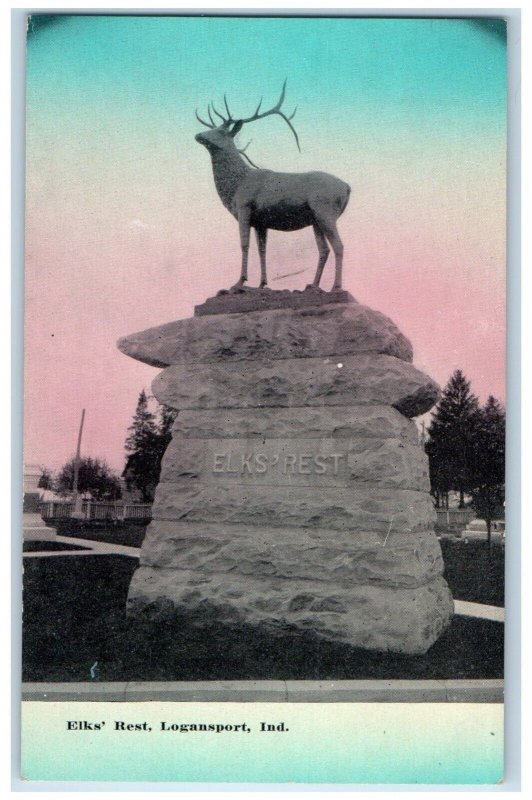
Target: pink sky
{"type": "Point", "coordinates": [84, 294]}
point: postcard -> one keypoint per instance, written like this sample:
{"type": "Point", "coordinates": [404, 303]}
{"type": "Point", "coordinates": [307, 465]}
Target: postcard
{"type": "Point", "coordinates": [264, 439]}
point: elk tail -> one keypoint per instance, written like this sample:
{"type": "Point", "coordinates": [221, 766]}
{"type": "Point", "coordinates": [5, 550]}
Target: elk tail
{"type": "Point", "coordinates": [345, 201]}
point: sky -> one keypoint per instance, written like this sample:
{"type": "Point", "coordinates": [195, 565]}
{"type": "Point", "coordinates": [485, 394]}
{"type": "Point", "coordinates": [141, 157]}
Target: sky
{"type": "Point", "coordinates": [125, 231]}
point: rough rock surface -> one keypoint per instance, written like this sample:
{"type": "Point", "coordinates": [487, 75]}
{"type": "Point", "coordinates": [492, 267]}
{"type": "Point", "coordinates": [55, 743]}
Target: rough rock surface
{"type": "Point", "coordinates": [405, 559]}
{"type": "Point", "coordinates": [383, 422]}
{"type": "Point", "coordinates": [373, 617]}
{"type": "Point", "coordinates": [333, 330]}
{"type": "Point", "coordinates": [353, 509]}
{"type": "Point", "coordinates": [294, 493]}
{"type": "Point", "coordinates": [351, 380]}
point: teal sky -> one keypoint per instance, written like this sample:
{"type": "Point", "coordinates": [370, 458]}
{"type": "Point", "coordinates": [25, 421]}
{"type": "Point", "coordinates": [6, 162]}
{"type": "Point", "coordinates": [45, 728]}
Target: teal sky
{"type": "Point", "coordinates": [443, 68]}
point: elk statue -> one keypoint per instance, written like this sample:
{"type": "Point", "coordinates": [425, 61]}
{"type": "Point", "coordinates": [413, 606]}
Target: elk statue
{"type": "Point", "coordinates": [263, 199]}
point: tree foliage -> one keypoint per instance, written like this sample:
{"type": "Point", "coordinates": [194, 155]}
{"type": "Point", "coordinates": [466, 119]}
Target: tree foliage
{"type": "Point", "coordinates": [450, 442]}
{"type": "Point", "coordinates": [488, 462]}
{"type": "Point", "coordinates": [46, 481]}
{"type": "Point", "coordinates": [466, 449]}
{"type": "Point", "coordinates": [148, 438]}
{"type": "Point", "coordinates": [94, 478]}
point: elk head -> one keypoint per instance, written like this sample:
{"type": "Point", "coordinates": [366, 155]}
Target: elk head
{"type": "Point", "coordinates": [220, 137]}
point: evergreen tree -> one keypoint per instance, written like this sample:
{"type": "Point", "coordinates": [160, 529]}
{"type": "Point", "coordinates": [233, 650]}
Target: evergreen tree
{"type": "Point", "coordinates": [94, 478]}
{"type": "Point", "coordinates": [488, 463]}
{"type": "Point", "coordinates": [450, 442]}
{"type": "Point", "coordinates": [143, 426]}
{"type": "Point", "coordinates": [141, 470]}
{"type": "Point", "coordinates": [167, 417]}
{"type": "Point", "coordinates": [148, 438]}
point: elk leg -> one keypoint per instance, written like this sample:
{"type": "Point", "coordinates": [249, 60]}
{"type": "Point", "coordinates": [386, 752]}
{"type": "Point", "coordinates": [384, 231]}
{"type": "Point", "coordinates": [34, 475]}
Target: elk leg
{"type": "Point", "coordinates": [243, 222]}
{"type": "Point", "coordinates": [261, 244]}
{"type": "Point", "coordinates": [330, 231]}
{"type": "Point", "coordinates": [323, 250]}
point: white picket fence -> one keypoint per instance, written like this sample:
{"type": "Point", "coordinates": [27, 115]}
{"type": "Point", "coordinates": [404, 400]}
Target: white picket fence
{"type": "Point", "coordinates": [93, 511]}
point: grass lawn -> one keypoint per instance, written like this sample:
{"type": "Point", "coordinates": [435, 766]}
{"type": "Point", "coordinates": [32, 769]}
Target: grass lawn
{"type": "Point", "coordinates": [473, 573]}
{"type": "Point", "coordinates": [127, 534]}
{"type": "Point", "coordinates": [74, 616]}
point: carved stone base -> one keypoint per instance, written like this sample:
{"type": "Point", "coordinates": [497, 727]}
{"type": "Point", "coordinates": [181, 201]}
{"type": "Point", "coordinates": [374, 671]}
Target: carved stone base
{"type": "Point", "coordinates": [294, 494]}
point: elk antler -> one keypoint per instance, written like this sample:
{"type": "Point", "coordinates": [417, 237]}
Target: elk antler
{"type": "Point", "coordinates": [207, 125]}
{"type": "Point", "coordinates": [237, 123]}
{"type": "Point", "coordinates": [226, 121]}
{"type": "Point", "coordinates": [276, 109]}
{"type": "Point", "coordinates": [243, 153]}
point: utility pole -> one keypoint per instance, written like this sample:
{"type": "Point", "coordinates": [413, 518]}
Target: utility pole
{"type": "Point", "coordinates": [77, 502]}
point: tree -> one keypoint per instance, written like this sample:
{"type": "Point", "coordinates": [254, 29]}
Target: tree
{"type": "Point", "coordinates": [94, 478]}
{"type": "Point", "coordinates": [450, 439]}
{"type": "Point", "coordinates": [143, 460]}
{"type": "Point", "coordinates": [488, 462]}
{"type": "Point", "coordinates": [46, 481]}
{"type": "Point", "coordinates": [167, 417]}
{"type": "Point", "coordinates": [149, 436]}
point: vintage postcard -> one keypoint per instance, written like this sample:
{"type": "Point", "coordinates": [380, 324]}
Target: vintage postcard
{"type": "Point", "coordinates": [264, 449]}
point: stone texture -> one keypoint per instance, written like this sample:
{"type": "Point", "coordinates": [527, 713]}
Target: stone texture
{"type": "Point", "coordinates": [322, 463]}
{"type": "Point", "coordinates": [333, 330]}
{"type": "Point", "coordinates": [383, 422]}
{"type": "Point", "coordinates": [357, 509]}
{"type": "Point", "coordinates": [294, 494]}
{"type": "Point", "coordinates": [251, 298]}
{"type": "Point", "coordinates": [374, 617]}
{"type": "Point", "coordinates": [363, 379]}
{"type": "Point", "coordinates": [313, 554]}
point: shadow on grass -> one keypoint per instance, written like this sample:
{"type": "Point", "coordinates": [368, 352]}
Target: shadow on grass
{"type": "Point", "coordinates": [473, 572]}
{"type": "Point", "coordinates": [74, 616]}
{"type": "Point", "coordinates": [34, 546]}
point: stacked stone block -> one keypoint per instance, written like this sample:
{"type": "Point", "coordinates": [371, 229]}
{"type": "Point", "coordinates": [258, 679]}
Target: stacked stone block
{"type": "Point", "coordinates": [294, 494]}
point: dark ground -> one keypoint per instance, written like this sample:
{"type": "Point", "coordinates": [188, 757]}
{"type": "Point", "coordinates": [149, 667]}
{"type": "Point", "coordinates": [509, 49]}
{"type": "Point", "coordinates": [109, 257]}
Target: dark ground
{"type": "Point", "coordinates": [74, 616]}
{"type": "Point", "coordinates": [45, 547]}
{"type": "Point", "coordinates": [130, 535]}
{"type": "Point", "coordinates": [473, 573]}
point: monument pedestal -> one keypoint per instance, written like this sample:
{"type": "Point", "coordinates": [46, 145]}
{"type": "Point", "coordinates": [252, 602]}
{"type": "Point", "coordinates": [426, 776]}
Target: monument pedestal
{"type": "Point", "coordinates": [294, 495]}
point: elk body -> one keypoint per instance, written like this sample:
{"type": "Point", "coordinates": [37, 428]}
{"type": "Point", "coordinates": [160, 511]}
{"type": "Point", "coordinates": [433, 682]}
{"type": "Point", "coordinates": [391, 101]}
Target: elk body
{"type": "Point", "coordinates": [263, 199]}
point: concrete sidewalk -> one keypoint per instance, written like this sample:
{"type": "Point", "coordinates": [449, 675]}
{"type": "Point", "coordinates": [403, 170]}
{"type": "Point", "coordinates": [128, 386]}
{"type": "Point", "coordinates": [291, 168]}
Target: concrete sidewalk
{"type": "Point", "coordinates": [32, 520]}
{"type": "Point", "coordinates": [268, 691]}
{"type": "Point", "coordinates": [92, 548]}
{"type": "Point", "coordinates": [478, 610]}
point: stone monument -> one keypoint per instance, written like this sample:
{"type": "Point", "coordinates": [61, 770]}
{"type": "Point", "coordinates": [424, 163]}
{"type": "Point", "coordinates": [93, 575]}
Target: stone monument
{"type": "Point", "coordinates": [294, 495]}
